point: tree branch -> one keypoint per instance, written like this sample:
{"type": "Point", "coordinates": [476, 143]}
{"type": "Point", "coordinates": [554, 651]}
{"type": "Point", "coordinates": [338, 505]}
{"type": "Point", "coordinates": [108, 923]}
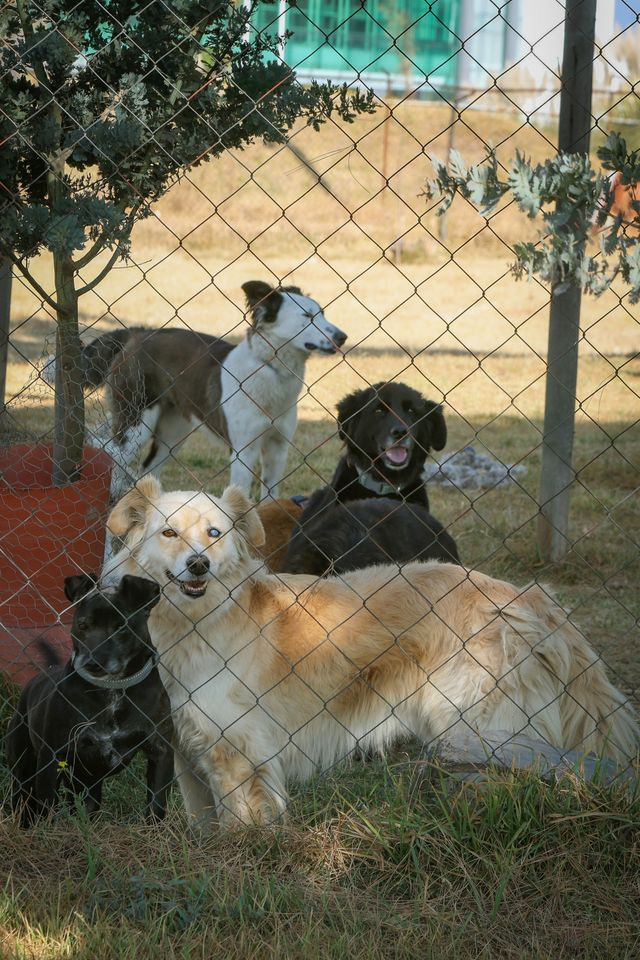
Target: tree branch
{"type": "Point", "coordinates": [92, 252]}
{"type": "Point", "coordinates": [105, 270]}
{"type": "Point", "coordinates": [104, 238]}
{"type": "Point", "coordinates": [29, 277]}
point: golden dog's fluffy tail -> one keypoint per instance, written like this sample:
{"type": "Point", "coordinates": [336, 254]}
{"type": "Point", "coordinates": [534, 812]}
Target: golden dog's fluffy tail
{"type": "Point", "coordinates": [592, 715]}
{"type": "Point", "coordinates": [597, 715]}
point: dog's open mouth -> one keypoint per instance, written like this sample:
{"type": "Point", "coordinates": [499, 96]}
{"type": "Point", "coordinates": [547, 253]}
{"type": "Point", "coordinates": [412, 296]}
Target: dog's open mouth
{"type": "Point", "coordinates": [330, 349]}
{"type": "Point", "coordinates": [190, 588]}
{"type": "Point", "coordinates": [396, 456]}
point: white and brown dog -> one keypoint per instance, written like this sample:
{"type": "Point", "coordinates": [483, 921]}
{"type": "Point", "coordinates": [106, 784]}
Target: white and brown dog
{"type": "Point", "coordinates": [164, 384]}
{"type": "Point", "coordinates": [274, 678]}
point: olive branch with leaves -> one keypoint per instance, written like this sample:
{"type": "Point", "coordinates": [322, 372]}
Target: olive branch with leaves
{"type": "Point", "coordinates": [575, 203]}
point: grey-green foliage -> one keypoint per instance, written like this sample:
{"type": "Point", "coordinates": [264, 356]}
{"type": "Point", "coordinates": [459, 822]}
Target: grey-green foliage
{"type": "Point", "coordinates": [119, 98]}
{"type": "Point", "coordinates": [571, 198]}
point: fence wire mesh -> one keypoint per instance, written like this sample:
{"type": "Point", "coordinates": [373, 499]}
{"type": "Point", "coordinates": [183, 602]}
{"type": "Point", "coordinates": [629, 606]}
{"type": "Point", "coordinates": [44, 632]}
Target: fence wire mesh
{"type": "Point", "coordinates": [294, 318]}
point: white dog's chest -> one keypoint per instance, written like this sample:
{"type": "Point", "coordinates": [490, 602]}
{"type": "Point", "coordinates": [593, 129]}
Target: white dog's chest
{"type": "Point", "coordinates": [207, 701]}
{"type": "Point", "coordinates": [256, 389]}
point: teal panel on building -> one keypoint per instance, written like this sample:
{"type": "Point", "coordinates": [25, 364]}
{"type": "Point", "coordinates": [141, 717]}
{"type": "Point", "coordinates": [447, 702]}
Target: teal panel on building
{"type": "Point", "coordinates": [405, 38]}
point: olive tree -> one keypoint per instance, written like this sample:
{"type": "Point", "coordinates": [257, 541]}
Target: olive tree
{"type": "Point", "coordinates": [103, 106]}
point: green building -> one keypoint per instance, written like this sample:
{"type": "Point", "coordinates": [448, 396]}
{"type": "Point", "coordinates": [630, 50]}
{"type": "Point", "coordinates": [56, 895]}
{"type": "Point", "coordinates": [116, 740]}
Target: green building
{"type": "Point", "coordinates": [391, 45]}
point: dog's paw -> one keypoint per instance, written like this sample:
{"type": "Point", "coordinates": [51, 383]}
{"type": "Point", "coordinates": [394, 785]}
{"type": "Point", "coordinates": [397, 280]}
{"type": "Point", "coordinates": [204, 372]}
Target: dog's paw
{"type": "Point", "coordinates": [241, 812]}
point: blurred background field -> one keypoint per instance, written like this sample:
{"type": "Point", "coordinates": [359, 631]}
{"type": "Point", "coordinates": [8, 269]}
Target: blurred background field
{"type": "Point", "coordinates": [370, 253]}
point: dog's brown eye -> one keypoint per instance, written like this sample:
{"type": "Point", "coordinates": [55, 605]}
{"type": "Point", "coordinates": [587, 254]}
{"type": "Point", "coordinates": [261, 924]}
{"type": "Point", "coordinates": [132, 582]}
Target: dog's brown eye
{"type": "Point", "coordinates": [82, 623]}
{"type": "Point", "coordinates": [169, 533]}
{"type": "Point", "coordinates": [213, 532]}
{"type": "Point", "coordinates": [380, 410]}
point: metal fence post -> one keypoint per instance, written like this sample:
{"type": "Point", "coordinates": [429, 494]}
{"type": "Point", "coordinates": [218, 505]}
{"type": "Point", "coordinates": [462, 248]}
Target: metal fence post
{"type": "Point", "coordinates": [564, 315]}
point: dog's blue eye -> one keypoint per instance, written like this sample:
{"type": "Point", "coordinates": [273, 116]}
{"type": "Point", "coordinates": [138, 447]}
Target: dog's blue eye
{"type": "Point", "coordinates": [169, 533]}
{"type": "Point", "coordinates": [213, 532]}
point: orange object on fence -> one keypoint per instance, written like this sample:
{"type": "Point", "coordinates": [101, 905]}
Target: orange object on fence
{"type": "Point", "coordinates": [46, 533]}
{"type": "Point", "coordinates": [622, 205]}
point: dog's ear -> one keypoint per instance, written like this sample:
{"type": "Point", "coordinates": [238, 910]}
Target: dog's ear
{"type": "Point", "coordinates": [131, 511]}
{"type": "Point", "coordinates": [433, 429]}
{"type": "Point", "coordinates": [349, 408]}
{"type": "Point", "coordinates": [75, 588]}
{"type": "Point", "coordinates": [139, 593]}
{"type": "Point", "coordinates": [263, 301]}
{"type": "Point", "coordinates": [244, 515]}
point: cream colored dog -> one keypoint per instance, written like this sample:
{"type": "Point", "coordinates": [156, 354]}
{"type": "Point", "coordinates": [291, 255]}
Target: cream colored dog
{"type": "Point", "coordinates": [273, 678]}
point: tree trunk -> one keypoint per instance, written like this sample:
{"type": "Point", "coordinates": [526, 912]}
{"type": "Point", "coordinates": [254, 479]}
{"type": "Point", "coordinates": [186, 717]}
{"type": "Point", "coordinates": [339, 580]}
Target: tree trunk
{"type": "Point", "coordinates": [69, 403]}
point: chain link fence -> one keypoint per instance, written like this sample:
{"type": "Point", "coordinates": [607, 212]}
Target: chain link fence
{"type": "Point", "coordinates": [296, 318]}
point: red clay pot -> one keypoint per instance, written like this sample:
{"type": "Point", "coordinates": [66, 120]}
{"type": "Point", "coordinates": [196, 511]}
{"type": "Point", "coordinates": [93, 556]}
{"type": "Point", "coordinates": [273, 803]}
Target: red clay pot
{"type": "Point", "coordinates": [46, 534]}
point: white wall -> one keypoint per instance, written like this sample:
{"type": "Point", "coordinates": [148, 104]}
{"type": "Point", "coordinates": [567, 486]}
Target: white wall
{"type": "Point", "coordinates": [541, 24]}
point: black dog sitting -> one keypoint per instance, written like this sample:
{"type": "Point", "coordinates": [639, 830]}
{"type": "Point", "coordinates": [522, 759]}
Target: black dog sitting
{"type": "Point", "coordinates": [86, 720]}
{"type": "Point", "coordinates": [388, 430]}
{"type": "Point", "coordinates": [376, 508]}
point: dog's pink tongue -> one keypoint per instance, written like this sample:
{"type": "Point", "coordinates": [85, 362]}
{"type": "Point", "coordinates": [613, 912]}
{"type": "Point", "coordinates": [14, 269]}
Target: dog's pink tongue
{"type": "Point", "coordinates": [396, 454]}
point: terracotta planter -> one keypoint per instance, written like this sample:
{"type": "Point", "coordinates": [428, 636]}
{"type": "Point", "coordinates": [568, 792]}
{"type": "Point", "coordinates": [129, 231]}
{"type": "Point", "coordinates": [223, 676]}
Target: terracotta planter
{"type": "Point", "coordinates": [46, 534]}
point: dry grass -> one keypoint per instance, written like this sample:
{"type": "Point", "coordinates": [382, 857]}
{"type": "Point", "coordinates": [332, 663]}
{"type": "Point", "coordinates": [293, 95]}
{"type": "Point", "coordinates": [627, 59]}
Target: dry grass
{"type": "Point", "coordinates": [366, 867]}
{"type": "Point", "coordinates": [370, 866]}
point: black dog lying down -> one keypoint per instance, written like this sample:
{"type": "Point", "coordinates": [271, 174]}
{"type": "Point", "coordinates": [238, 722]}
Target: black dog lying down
{"type": "Point", "coordinates": [82, 722]}
{"type": "Point", "coordinates": [350, 536]}
{"type": "Point", "coordinates": [376, 509]}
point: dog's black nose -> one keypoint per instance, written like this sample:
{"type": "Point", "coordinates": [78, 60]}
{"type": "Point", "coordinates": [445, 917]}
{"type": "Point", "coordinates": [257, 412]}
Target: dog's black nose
{"type": "Point", "coordinates": [339, 338]}
{"type": "Point", "coordinates": [398, 430]}
{"type": "Point", "coordinates": [197, 565]}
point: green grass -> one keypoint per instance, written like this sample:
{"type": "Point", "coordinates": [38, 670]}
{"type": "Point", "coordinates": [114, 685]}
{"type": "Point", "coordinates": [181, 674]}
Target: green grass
{"type": "Point", "coordinates": [372, 863]}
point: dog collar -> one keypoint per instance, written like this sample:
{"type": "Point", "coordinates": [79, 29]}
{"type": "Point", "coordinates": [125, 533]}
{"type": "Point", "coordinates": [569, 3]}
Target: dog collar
{"type": "Point", "coordinates": [107, 684]}
{"type": "Point", "coordinates": [379, 487]}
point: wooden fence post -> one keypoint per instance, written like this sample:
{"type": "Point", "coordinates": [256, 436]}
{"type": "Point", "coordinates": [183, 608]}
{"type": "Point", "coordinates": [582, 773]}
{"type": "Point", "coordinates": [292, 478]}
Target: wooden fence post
{"type": "Point", "coordinates": [564, 315]}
